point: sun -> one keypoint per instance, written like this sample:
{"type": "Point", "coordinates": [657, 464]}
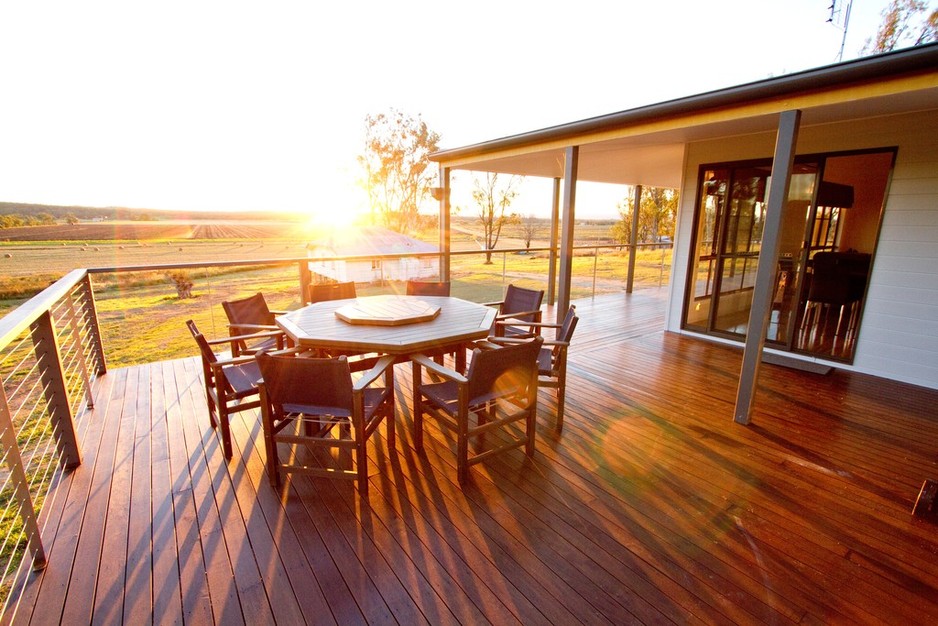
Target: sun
{"type": "Point", "coordinates": [325, 223]}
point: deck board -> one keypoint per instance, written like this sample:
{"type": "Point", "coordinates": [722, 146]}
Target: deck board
{"type": "Point", "coordinates": [651, 507]}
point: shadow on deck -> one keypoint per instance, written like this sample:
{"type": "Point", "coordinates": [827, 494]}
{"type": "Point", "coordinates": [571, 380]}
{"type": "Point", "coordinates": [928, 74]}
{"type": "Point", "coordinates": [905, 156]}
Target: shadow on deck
{"type": "Point", "coordinates": [652, 506]}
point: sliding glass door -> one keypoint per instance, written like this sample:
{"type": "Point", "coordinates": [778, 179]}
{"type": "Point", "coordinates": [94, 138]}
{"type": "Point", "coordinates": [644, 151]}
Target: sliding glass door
{"type": "Point", "coordinates": [729, 222]}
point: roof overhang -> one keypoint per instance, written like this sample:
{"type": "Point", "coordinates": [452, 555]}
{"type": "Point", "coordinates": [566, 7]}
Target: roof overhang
{"type": "Point", "coordinates": [646, 145]}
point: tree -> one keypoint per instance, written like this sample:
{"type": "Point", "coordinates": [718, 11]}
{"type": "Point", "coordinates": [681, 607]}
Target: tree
{"type": "Point", "coordinates": [897, 30]}
{"type": "Point", "coordinates": [529, 227]}
{"type": "Point", "coordinates": [181, 281]}
{"type": "Point", "coordinates": [395, 167]}
{"type": "Point", "coordinates": [70, 218]}
{"type": "Point", "coordinates": [493, 199]}
{"type": "Point", "coordinates": [655, 217]}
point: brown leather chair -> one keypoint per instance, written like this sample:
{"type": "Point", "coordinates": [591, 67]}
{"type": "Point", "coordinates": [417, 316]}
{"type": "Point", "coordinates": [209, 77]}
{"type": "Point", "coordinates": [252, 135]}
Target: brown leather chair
{"type": "Point", "coordinates": [251, 315]}
{"type": "Point", "coordinates": [230, 384]}
{"type": "Point", "coordinates": [427, 288]}
{"type": "Point", "coordinates": [500, 388]}
{"type": "Point", "coordinates": [303, 400]}
{"type": "Point", "coordinates": [520, 304]}
{"type": "Point", "coordinates": [331, 291]}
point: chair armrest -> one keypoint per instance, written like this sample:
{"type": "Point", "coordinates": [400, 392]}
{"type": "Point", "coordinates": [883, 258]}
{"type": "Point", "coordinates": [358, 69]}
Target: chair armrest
{"type": "Point", "coordinates": [279, 312]}
{"type": "Point", "coordinates": [253, 327]}
{"type": "Point", "coordinates": [509, 316]}
{"type": "Point", "coordinates": [496, 303]}
{"type": "Point", "coordinates": [372, 375]}
{"type": "Point", "coordinates": [526, 323]}
{"type": "Point", "coordinates": [438, 369]}
{"type": "Point", "coordinates": [238, 360]}
{"type": "Point", "coordinates": [553, 343]}
{"type": "Point", "coordinates": [213, 342]}
{"type": "Point", "coordinates": [505, 341]}
{"type": "Point", "coordinates": [287, 351]}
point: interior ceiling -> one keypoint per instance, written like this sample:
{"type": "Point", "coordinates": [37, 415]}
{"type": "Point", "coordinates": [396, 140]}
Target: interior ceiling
{"type": "Point", "coordinates": [656, 159]}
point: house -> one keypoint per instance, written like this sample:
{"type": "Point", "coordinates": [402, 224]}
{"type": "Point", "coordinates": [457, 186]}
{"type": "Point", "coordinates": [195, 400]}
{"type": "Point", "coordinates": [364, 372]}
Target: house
{"type": "Point", "coordinates": [359, 246]}
{"type": "Point", "coordinates": [856, 143]}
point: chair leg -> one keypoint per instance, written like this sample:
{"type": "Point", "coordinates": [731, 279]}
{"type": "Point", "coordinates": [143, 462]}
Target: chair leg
{"type": "Point", "coordinates": [561, 395]}
{"type": "Point", "coordinates": [418, 409]}
{"type": "Point", "coordinates": [531, 424]}
{"type": "Point", "coordinates": [462, 446]}
{"type": "Point", "coordinates": [361, 462]}
{"type": "Point", "coordinates": [225, 434]}
{"type": "Point", "coordinates": [211, 410]}
{"type": "Point", "coordinates": [391, 429]}
{"type": "Point", "coordinates": [270, 445]}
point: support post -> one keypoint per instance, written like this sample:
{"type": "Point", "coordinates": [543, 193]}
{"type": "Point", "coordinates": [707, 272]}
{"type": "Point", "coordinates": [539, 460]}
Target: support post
{"type": "Point", "coordinates": [554, 229]}
{"type": "Point", "coordinates": [90, 312]}
{"type": "Point", "coordinates": [306, 279]}
{"type": "Point", "coordinates": [49, 363]}
{"type": "Point", "coordinates": [20, 482]}
{"type": "Point", "coordinates": [571, 164]}
{"type": "Point", "coordinates": [761, 309]}
{"type": "Point", "coordinates": [79, 350]}
{"type": "Point", "coordinates": [445, 232]}
{"type": "Point", "coordinates": [633, 237]}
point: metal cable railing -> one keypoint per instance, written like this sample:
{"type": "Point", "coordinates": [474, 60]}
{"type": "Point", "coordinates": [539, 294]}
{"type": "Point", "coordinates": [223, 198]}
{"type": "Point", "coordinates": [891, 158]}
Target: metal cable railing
{"type": "Point", "coordinates": [46, 379]}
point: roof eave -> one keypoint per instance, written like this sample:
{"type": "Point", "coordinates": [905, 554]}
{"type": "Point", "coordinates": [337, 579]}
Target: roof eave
{"type": "Point", "coordinates": [904, 62]}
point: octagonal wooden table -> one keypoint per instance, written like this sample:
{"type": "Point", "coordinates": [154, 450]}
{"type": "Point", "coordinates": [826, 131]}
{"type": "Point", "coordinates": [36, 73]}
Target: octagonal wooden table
{"type": "Point", "coordinates": [391, 324]}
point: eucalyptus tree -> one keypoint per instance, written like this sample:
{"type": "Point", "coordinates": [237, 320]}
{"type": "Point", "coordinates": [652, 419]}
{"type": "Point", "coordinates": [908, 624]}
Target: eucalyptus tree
{"type": "Point", "coordinates": [396, 169]}
{"type": "Point", "coordinates": [493, 196]}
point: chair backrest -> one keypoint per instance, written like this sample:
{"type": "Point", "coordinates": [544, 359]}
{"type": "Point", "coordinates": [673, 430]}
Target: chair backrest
{"type": "Point", "coordinates": [331, 291]}
{"type": "Point", "coordinates": [424, 288]}
{"type": "Point", "coordinates": [521, 299]}
{"type": "Point", "coordinates": [250, 310]}
{"type": "Point", "coordinates": [838, 277]}
{"type": "Point", "coordinates": [308, 385]}
{"type": "Point", "coordinates": [506, 371]}
{"type": "Point", "coordinates": [208, 355]}
{"type": "Point", "coordinates": [565, 332]}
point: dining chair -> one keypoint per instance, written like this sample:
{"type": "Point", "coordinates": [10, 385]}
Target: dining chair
{"type": "Point", "coordinates": [230, 383]}
{"type": "Point", "coordinates": [519, 304]}
{"type": "Point", "coordinates": [552, 358]}
{"type": "Point", "coordinates": [499, 388]}
{"type": "Point", "coordinates": [428, 288]}
{"type": "Point", "coordinates": [304, 401]}
{"type": "Point", "coordinates": [250, 315]}
{"type": "Point", "coordinates": [837, 285]}
{"type": "Point", "coordinates": [331, 291]}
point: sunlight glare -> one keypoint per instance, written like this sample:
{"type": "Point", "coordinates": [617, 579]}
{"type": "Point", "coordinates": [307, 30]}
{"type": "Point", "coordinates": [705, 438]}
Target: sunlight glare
{"type": "Point", "coordinates": [324, 224]}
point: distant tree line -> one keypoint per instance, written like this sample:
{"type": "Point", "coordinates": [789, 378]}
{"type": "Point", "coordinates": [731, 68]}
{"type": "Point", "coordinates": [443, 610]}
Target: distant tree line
{"type": "Point", "coordinates": [14, 220]}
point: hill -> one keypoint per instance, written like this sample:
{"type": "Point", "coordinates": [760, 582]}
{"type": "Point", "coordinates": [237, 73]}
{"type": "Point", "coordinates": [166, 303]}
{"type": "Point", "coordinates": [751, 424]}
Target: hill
{"type": "Point", "coordinates": [59, 212]}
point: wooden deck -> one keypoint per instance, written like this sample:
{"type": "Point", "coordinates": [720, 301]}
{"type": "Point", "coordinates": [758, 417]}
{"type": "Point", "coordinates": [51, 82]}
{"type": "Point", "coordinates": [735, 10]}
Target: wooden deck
{"type": "Point", "coordinates": [651, 507]}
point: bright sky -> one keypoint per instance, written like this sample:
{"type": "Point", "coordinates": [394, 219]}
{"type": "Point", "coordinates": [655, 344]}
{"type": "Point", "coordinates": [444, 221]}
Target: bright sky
{"type": "Point", "coordinates": [234, 105]}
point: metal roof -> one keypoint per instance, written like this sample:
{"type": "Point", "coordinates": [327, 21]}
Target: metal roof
{"type": "Point", "coordinates": [646, 144]}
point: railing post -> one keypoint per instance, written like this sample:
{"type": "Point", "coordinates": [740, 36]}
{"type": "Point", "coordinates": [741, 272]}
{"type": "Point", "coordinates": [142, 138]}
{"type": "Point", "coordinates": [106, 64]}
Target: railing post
{"type": "Point", "coordinates": [94, 331]}
{"type": "Point", "coordinates": [55, 390]}
{"type": "Point", "coordinates": [80, 350]}
{"type": "Point", "coordinates": [633, 238]}
{"type": "Point", "coordinates": [595, 263]}
{"type": "Point", "coordinates": [305, 280]}
{"type": "Point", "coordinates": [20, 483]}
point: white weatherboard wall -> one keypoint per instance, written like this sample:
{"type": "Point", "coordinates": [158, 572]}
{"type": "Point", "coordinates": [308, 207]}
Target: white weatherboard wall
{"type": "Point", "coordinates": [898, 336]}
